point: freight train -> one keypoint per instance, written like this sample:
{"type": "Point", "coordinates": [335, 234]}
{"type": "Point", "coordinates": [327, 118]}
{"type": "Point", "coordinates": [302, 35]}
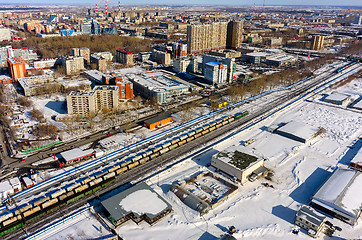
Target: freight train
{"type": "Point", "coordinates": [347, 66]}
{"type": "Point", "coordinates": [58, 199]}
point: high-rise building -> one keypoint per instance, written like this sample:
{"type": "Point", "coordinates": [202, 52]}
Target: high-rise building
{"type": "Point", "coordinates": [125, 88]}
{"type": "Point", "coordinates": [73, 64]}
{"type": "Point", "coordinates": [234, 34]}
{"type": "Point", "coordinates": [86, 28]}
{"type": "Point", "coordinates": [124, 57]}
{"type": "Point", "coordinates": [317, 42]}
{"type": "Point", "coordinates": [17, 67]}
{"type": "Point", "coordinates": [82, 52]}
{"type": "Point", "coordinates": [185, 65]}
{"type": "Point", "coordinates": [101, 98]}
{"type": "Point", "coordinates": [215, 73]}
{"type": "Point", "coordinates": [95, 27]}
{"type": "Point", "coordinates": [5, 34]}
{"type": "Point", "coordinates": [161, 57]}
{"type": "Point", "coordinates": [206, 37]}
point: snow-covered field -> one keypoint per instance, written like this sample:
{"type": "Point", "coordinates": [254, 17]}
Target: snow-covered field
{"type": "Point", "coordinates": [256, 211]}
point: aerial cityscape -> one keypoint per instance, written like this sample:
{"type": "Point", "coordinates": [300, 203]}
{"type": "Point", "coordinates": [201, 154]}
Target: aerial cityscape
{"type": "Point", "coordinates": [180, 120]}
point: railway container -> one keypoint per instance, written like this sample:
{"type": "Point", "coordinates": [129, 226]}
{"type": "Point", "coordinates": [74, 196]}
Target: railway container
{"type": "Point", "coordinates": [136, 158]}
{"type": "Point", "coordinates": [240, 115]}
{"type": "Point", "coordinates": [71, 193]}
{"type": "Point", "coordinates": [132, 165]}
{"type": "Point", "coordinates": [181, 143]}
{"type": "Point", "coordinates": [81, 189]}
{"type": "Point", "coordinates": [142, 161]}
{"type": "Point", "coordinates": [154, 155]}
{"type": "Point", "coordinates": [183, 137]}
{"type": "Point", "coordinates": [121, 170]}
{"type": "Point", "coordinates": [205, 127]}
{"type": "Point", "coordinates": [109, 175]}
{"type": "Point", "coordinates": [190, 134]}
{"type": "Point", "coordinates": [157, 149]}
{"type": "Point", "coordinates": [204, 132]}
{"type": "Point", "coordinates": [49, 203]}
{"type": "Point", "coordinates": [58, 193]}
{"type": "Point", "coordinates": [5, 216]}
{"type": "Point", "coordinates": [23, 209]}
{"type": "Point", "coordinates": [62, 197]}
{"type": "Point", "coordinates": [190, 139]}
{"type": "Point", "coordinates": [9, 221]}
{"type": "Point", "coordinates": [31, 211]}
{"type": "Point", "coordinates": [165, 150]}
{"type": "Point", "coordinates": [175, 141]}
{"type": "Point", "coordinates": [199, 130]}
{"type": "Point", "coordinates": [197, 135]}
{"type": "Point", "coordinates": [95, 181]}
{"type": "Point", "coordinates": [212, 129]}
{"type": "Point", "coordinates": [73, 187]}
{"type": "Point", "coordinates": [231, 119]}
{"type": "Point", "coordinates": [149, 152]}
{"type": "Point", "coordinates": [173, 146]}
{"type": "Point", "coordinates": [126, 163]}
{"type": "Point", "coordinates": [85, 181]}
{"type": "Point", "coordinates": [212, 124]}
{"type": "Point", "coordinates": [166, 145]}
{"type": "Point", "coordinates": [113, 169]}
{"type": "Point", "coordinates": [218, 125]}
{"type": "Point", "coordinates": [219, 121]}
{"type": "Point", "coordinates": [225, 122]}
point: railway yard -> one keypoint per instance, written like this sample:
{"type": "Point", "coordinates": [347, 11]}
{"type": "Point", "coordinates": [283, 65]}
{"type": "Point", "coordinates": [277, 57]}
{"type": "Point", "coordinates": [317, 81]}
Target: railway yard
{"type": "Point", "coordinates": [86, 182]}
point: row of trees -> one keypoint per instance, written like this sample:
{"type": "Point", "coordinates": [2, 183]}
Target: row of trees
{"type": "Point", "coordinates": [61, 46]}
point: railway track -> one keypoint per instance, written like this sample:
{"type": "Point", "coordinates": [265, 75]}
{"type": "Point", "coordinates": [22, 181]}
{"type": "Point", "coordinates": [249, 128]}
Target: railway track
{"type": "Point", "coordinates": [164, 160]}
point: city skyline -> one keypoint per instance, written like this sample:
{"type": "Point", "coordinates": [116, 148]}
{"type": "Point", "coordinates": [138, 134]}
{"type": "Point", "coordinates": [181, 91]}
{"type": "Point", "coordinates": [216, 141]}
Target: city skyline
{"type": "Point", "coordinates": [353, 3]}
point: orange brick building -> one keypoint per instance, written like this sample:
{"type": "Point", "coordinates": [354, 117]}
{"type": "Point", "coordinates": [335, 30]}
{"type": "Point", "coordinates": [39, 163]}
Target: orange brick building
{"type": "Point", "coordinates": [17, 67]}
{"type": "Point", "coordinates": [158, 121]}
{"type": "Point", "coordinates": [125, 89]}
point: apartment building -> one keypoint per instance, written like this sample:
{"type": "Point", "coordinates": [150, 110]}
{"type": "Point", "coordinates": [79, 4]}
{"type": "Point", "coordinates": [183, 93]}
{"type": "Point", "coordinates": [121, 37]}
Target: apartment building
{"type": "Point", "coordinates": [82, 52]}
{"type": "Point", "coordinates": [317, 42]}
{"type": "Point", "coordinates": [17, 67]}
{"type": "Point", "coordinates": [124, 57]}
{"type": "Point", "coordinates": [101, 98]}
{"type": "Point", "coordinates": [73, 64]}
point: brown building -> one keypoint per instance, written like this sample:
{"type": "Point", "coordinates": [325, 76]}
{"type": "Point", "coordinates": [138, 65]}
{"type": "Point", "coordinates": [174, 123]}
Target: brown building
{"type": "Point", "coordinates": [82, 52]}
{"type": "Point", "coordinates": [317, 42]}
{"type": "Point", "coordinates": [17, 67]}
{"type": "Point", "coordinates": [235, 34]}
{"type": "Point", "coordinates": [124, 57]}
{"type": "Point", "coordinates": [125, 88]}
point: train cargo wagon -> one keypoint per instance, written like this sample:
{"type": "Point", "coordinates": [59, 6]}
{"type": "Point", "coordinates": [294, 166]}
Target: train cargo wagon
{"type": "Point", "coordinates": [126, 163]}
{"type": "Point", "coordinates": [113, 169]}
{"type": "Point", "coordinates": [157, 149]}
{"type": "Point", "coordinates": [23, 209]}
{"type": "Point", "coordinates": [204, 132]}
{"type": "Point", "coordinates": [5, 216]}
{"type": "Point", "coordinates": [183, 137]}
{"type": "Point", "coordinates": [166, 145]}
{"type": "Point", "coordinates": [218, 125]}
{"type": "Point", "coordinates": [81, 188]}
{"type": "Point", "coordinates": [199, 130]}
{"type": "Point", "coordinates": [154, 155]}
{"type": "Point", "coordinates": [132, 165]}
{"type": "Point", "coordinates": [190, 134]}
{"type": "Point", "coordinates": [109, 175]}
{"type": "Point", "coordinates": [190, 139]}
{"type": "Point", "coordinates": [172, 147]}
{"type": "Point", "coordinates": [9, 221]}
{"type": "Point", "coordinates": [163, 151]}
{"type": "Point", "coordinates": [31, 211]}
{"type": "Point", "coordinates": [37, 203]}
{"type": "Point", "coordinates": [136, 158]}
{"type": "Point", "coordinates": [212, 129]}
{"type": "Point", "coordinates": [49, 203]}
{"type": "Point", "coordinates": [175, 141]}
{"type": "Point", "coordinates": [58, 193]}
{"type": "Point", "coordinates": [181, 143]}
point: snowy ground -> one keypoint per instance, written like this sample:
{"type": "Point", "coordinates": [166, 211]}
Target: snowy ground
{"type": "Point", "coordinates": [257, 211]}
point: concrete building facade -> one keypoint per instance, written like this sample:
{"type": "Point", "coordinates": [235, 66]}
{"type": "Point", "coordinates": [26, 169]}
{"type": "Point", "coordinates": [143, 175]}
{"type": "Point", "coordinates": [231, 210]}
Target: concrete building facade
{"type": "Point", "coordinates": [215, 73]}
{"type": "Point", "coordinates": [124, 57]}
{"type": "Point", "coordinates": [72, 64]}
{"type": "Point", "coordinates": [17, 67]}
{"type": "Point", "coordinates": [185, 65]}
{"type": "Point", "coordinates": [317, 42]}
{"type": "Point", "coordinates": [161, 57]}
{"type": "Point", "coordinates": [101, 98]}
{"type": "Point", "coordinates": [234, 34]}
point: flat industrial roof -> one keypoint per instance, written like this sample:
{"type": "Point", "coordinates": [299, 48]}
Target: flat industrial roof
{"type": "Point", "coordinates": [75, 153]}
{"type": "Point", "coordinates": [238, 159]}
{"type": "Point", "coordinates": [140, 200]}
{"type": "Point", "coordinates": [342, 191]}
{"type": "Point", "coordinates": [157, 119]}
{"type": "Point", "coordinates": [335, 96]}
{"type": "Point", "coordinates": [298, 129]}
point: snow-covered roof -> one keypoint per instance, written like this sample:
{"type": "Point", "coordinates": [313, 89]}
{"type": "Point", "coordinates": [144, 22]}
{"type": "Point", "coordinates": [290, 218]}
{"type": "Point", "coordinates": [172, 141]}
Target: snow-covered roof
{"type": "Point", "coordinates": [342, 191]}
{"type": "Point", "coordinates": [298, 129]}
{"type": "Point", "coordinates": [308, 214]}
{"type": "Point", "coordinates": [139, 200]}
{"type": "Point", "coordinates": [358, 104]}
{"type": "Point", "coordinates": [357, 160]}
{"type": "Point", "coordinates": [27, 181]}
{"type": "Point", "coordinates": [234, 157]}
{"type": "Point", "coordinates": [335, 96]}
{"type": "Point", "coordinates": [76, 153]}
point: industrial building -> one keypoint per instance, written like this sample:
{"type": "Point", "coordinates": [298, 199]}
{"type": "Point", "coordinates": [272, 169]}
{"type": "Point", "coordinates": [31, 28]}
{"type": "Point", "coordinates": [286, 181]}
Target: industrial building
{"type": "Point", "coordinates": [161, 85]}
{"type": "Point", "coordinates": [297, 131]}
{"type": "Point", "coordinates": [338, 98]}
{"type": "Point", "coordinates": [72, 64]}
{"type": "Point", "coordinates": [124, 57]}
{"type": "Point", "coordinates": [158, 121]}
{"type": "Point", "coordinates": [138, 203]}
{"type": "Point", "coordinates": [101, 98]}
{"type": "Point", "coordinates": [237, 164]}
{"type": "Point", "coordinates": [16, 67]}
{"type": "Point", "coordinates": [340, 196]}
{"type": "Point", "coordinates": [76, 154]}
{"type": "Point", "coordinates": [310, 220]}
{"type": "Point", "coordinates": [356, 162]}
